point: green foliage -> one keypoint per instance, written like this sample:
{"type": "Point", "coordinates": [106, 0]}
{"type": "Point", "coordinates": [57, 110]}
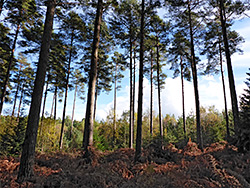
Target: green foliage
{"type": "Point", "coordinates": [244, 132]}
{"type": "Point", "coordinates": [11, 139]}
{"type": "Point", "coordinates": [48, 135]}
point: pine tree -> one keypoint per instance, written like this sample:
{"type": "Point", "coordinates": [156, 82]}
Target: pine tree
{"type": "Point", "coordinates": [88, 130]}
{"type": "Point", "coordinates": [244, 128]}
{"type": "Point", "coordinates": [140, 93]}
{"type": "Point", "coordinates": [28, 152]}
{"type": "Point", "coordinates": [73, 27]}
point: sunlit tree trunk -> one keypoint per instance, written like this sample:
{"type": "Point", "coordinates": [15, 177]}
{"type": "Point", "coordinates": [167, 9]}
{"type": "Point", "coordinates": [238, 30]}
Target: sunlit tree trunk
{"type": "Point", "coordinates": [55, 103]}
{"type": "Point", "coordinates": [140, 93]}
{"type": "Point", "coordinates": [224, 91]}
{"type": "Point", "coordinates": [229, 68]}
{"type": "Point", "coordinates": [131, 93]}
{"type": "Point", "coordinates": [20, 103]}
{"type": "Point", "coordinates": [28, 152]}
{"type": "Point", "coordinates": [88, 130]}
{"type": "Point", "coordinates": [96, 96]}
{"type": "Point", "coordinates": [159, 90]}
{"type": "Point", "coordinates": [115, 90]}
{"type": "Point", "coordinates": [151, 95]}
{"type": "Point", "coordinates": [52, 106]}
{"type": "Point", "coordinates": [183, 100]}
{"type": "Point", "coordinates": [195, 82]}
{"type": "Point", "coordinates": [44, 102]}
{"type": "Point", "coordinates": [73, 113]}
{"type": "Point", "coordinates": [66, 92]}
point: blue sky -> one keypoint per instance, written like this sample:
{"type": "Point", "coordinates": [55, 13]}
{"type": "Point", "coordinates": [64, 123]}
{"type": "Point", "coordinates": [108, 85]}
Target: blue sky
{"type": "Point", "coordinates": [210, 88]}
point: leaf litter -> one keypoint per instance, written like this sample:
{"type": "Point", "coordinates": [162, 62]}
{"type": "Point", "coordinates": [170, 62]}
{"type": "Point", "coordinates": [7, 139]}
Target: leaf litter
{"type": "Point", "coordinates": [219, 165]}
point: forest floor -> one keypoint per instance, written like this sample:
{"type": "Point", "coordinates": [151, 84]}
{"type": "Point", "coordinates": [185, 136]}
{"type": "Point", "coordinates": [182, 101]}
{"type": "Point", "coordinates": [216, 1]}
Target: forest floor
{"type": "Point", "coordinates": [219, 165]}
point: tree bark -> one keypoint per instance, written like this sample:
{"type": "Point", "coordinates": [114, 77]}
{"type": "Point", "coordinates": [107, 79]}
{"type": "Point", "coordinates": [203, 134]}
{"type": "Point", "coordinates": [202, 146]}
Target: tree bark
{"type": "Point", "coordinates": [55, 102]}
{"type": "Point", "coordinates": [183, 101]}
{"type": "Point", "coordinates": [159, 90]}
{"type": "Point", "coordinates": [224, 92]}
{"type": "Point", "coordinates": [88, 130]}
{"type": "Point", "coordinates": [140, 93]}
{"type": "Point", "coordinates": [131, 92]}
{"type": "Point", "coordinates": [195, 82]}
{"type": "Point", "coordinates": [7, 76]}
{"type": "Point", "coordinates": [28, 152]}
{"type": "Point", "coordinates": [229, 68]}
{"type": "Point", "coordinates": [66, 93]}
{"type": "Point", "coordinates": [73, 113]}
{"type": "Point", "coordinates": [151, 96]}
{"type": "Point", "coordinates": [96, 96]}
{"type": "Point", "coordinates": [133, 105]}
{"type": "Point", "coordinates": [20, 103]}
{"type": "Point", "coordinates": [52, 106]}
{"type": "Point", "coordinates": [44, 102]}
{"type": "Point", "coordinates": [15, 99]}
{"type": "Point", "coordinates": [115, 89]}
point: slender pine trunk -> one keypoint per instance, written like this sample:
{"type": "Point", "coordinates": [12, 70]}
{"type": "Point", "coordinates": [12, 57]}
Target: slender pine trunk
{"type": "Point", "coordinates": [96, 96]}
{"type": "Point", "coordinates": [55, 102]}
{"type": "Point", "coordinates": [20, 102]}
{"type": "Point", "coordinates": [140, 93]}
{"type": "Point", "coordinates": [28, 153]}
{"type": "Point", "coordinates": [73, 113]}
{"type": "Point", "coordinates": [133, 104]}
{"type": "Point", "coordinates": [229, 68]}
{"type": "Point", "coordinates": [224, 92]}
{"type": "Point", "coordinates": [159, 90]}
{"type": "Point", "coordinates": [195, 82]}
{"type": "Point", "coordinates": [115, 90]}
{"type": "Point", "coordinates": [183, 100]}
{"type": "Point", "coordinates": [15, 99]}
{"type": "Point", "coordinates": [151, 95]}
{"type": "Point", "coordinates": [131, 92]}
{"type": "Point", "coordinates": [44, 102]}
{"type": "Point", "coordinates": [7, 76]}
{"type": "Point", "coordinates": [88, 130]}
{"type": "Point", "coordinates": [66, 92]}
{"type": "Point", "coordinates": [52, 106]}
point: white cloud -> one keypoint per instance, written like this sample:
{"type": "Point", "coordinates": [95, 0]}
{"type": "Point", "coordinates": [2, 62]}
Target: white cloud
{"type": "Point", "coordinates": [210, 93]}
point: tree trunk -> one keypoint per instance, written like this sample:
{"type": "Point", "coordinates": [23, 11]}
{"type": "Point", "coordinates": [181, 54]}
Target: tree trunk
{"type": "Point", "coordinates": [20, 103]}
{"type": "Point", "coordinates": [159, 90]}
{"type": "Point", "coordinates": [28, 152]}
{"type": "Point", "coordinates": [44, 102]}
{"type": "Point", "coordinates": [73, 113]}
{"type": "Point", "coordinates": [151, 95]}
{"type": "Point", "coordinates": [229, 68]}
{"type": "Point", "coordinates": [7, 76]}
{"type": "Point", "coordinates": [88, 130]}
{"type": "Point", "coordinates": [55, 103]}
{"type": "Point", "coordinates": [66, 93]}
{"type": "Point", "coordinates": [96, 95]}
{"type": "Point", "coordinates": [52, 106]}
{"type": "Point", "coordinates": [14, 105]}
{"type": "Point", "coordinates": [114, 123]}
{"type": "Point", "coordinates": [140, 93]}
{"type": "Point", "coordinates": [133, 104]}
{"type": "Point", "coordinates": [195, 82]}
{"type": "Point", "coordinates": [131, 92]}
{"type": "Point", "coordinates": [224, 92]}
{"type": "Point", "coordinates": [183, 100]}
